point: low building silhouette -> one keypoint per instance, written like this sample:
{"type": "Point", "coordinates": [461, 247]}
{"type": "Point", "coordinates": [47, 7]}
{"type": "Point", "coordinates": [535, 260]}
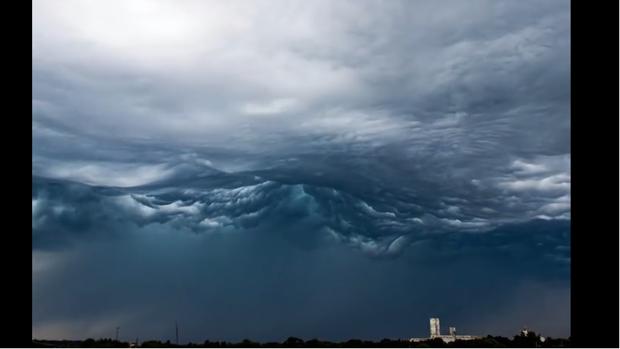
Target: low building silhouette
{"type": "Point", "coordinates": [435, 332]}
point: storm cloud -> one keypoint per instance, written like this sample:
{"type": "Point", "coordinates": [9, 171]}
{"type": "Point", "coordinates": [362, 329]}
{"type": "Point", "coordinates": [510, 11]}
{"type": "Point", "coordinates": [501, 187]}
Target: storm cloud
{"type": "Point", "coordinates": [274, 168]}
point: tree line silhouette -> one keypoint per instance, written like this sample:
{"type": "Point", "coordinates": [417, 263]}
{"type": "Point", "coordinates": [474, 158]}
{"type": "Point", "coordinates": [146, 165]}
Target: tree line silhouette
{"type": "Point", "coordinates": [529, 340]}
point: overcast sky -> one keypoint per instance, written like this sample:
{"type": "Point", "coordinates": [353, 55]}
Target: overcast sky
{"type": "Point", "coordinates": [329, 169]}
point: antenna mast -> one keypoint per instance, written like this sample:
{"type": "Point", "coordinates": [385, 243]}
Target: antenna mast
{"type": "Point", "coordinates": [176, 328]}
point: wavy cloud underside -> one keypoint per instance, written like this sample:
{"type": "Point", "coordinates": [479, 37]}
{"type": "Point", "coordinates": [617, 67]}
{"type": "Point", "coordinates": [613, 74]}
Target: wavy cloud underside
{"type": "Point", "coordinates": [380, 221]}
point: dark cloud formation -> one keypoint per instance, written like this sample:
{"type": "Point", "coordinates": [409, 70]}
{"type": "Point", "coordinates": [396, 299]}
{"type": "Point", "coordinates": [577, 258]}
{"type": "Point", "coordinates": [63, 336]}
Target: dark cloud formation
{"type": "Point", "coordinates": [281, 168]}
{"type": "Point", "coordinates": [279, 273]}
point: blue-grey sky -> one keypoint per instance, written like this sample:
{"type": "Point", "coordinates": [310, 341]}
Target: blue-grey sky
{"type": "Point", "coordinates": [320, 169]}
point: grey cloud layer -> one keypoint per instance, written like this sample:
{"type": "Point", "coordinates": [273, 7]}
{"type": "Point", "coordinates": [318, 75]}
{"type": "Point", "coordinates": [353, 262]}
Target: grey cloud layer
{"type": "Point", "coordinates": [353, 71]}
{"type": "Point", "coordinates": [442, 94]}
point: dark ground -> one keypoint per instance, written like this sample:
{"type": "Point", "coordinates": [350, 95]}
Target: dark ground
{"type": "Point", "coordinates": [520, 341]}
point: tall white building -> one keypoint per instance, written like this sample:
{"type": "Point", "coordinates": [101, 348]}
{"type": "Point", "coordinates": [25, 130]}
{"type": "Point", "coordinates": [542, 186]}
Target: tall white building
{"type": "Point", "coordinates": [435, 331]}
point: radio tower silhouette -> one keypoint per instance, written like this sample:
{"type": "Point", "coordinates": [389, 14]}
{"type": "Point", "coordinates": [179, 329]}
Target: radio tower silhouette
{"type": "Point", "coordinates": [176, 330]}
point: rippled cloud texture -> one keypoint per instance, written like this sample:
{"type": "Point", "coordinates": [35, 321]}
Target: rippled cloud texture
{"type": "Point", "coordinates": [265, 169]}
